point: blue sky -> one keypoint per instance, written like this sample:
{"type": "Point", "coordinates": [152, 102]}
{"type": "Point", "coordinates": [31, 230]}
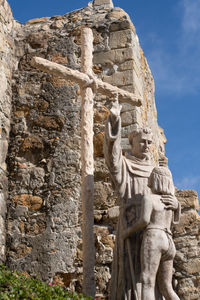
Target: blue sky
{"type": "Point", "coordinates": [169, 33]}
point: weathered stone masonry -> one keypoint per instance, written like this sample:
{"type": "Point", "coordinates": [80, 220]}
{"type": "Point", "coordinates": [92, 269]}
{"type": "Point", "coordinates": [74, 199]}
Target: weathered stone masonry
{"type": "Point", "coordinates": [6, 66]}
{"type": "Point", "coordinates": [43, 161]}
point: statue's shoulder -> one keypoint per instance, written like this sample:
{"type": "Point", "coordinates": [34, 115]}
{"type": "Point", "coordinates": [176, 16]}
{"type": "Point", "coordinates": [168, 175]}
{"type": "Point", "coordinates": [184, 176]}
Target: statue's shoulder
{"type": "Point", "coordinates": [136, 166]}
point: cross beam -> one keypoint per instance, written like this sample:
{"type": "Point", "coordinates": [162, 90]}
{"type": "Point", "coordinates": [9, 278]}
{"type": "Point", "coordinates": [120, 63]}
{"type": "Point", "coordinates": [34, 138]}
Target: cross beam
{"type": "Point", "coordinates": [86, 80]}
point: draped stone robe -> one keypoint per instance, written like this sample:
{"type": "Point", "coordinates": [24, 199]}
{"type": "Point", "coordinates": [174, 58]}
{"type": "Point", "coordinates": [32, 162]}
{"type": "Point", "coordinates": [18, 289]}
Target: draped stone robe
{"type": "Point", "coordinates": [130, 176]}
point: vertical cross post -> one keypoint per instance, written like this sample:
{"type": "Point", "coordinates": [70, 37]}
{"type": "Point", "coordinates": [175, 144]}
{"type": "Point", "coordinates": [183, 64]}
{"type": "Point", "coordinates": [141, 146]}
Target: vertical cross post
{"type": "Point", "coordinates": [87, 187]}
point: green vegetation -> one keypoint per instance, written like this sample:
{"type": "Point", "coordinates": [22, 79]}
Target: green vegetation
{"type": "Point", "coordinates": [16, 286]}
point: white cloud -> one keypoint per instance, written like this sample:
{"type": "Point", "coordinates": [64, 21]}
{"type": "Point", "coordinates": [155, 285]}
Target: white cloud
{"type": "Point", "coordinates": [188, 183]}
{"type": "Point", "coordinates": [168, 79]}
{"type": "Point", "coordinates": [191, 20]}
{"type": "Point", "coordinates": [175, 63]}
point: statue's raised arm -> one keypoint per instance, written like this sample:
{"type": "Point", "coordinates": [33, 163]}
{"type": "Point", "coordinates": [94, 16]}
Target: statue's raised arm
{"type": "Point", "coordinates": [137, 162]}
{"type": "Point", "coordinates": [112, 143]}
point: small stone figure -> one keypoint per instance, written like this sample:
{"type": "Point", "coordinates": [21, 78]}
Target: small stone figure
{"type": "Point", "coordinates": [158, 249]}
{"type": "Point", "coordinates": [129, 174]}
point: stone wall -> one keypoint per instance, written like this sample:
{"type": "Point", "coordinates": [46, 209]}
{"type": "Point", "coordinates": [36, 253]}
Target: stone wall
{"type": "Point", "coordinates": [44, 159]}
{"type": "Point", "coordinates": [44, 217]}
{"type": "Point", "coordinates": [6, 66]}
{"type": "Point", "coordinates": [187, 240]}
{"type": "Point", "coordinates": [44, 205]}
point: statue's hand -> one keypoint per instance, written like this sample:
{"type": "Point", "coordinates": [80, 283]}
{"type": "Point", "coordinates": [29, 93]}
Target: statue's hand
{"type": "Point", "coordinates": [170, 201]}
{"type": "Point", "coordinates": [115, 111]}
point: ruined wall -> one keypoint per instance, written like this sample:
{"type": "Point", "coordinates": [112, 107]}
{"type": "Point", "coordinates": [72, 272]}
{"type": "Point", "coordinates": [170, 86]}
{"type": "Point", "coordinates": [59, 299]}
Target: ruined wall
{"type": "Point", "coordinates": [187, 240]}
{"type": "Point", "coordinates": [6, 65]}
{"type": "Point", "coordinates": [44, 205]}
{"type": "Point", "coordinates": [44, 217]}
{"type": "Point", "coordinates": [44, 159]}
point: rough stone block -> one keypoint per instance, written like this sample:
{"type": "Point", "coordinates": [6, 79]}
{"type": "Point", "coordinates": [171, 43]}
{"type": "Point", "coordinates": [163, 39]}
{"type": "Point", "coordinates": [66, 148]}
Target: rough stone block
{"type": "Point", "coordinates": [98, 144]}
{"type": "Point", "coordinates": [129, 117]}
{"type": "Point", "coordinates": [104, 3]}
{"type": "Point", "coordinates": [189, 224]}
{"type": "Point", "coordinates": [102, 277]}
{"type": "Point", "coordinates": [125, 78]}
{"type": "Point", "coordinates": [104, 57]}
{"type": "Point", "coordinates": [126, 107]}
{"type": "Point", "coordinates": [189, 288]}
{"type": "Point", "coordinates": [122, 55]}
{"type": "Point", "coordinates": [121, 39]}
{"type": "Point", "coordinates": [128, 129]}
{"type": "Point", "coordinates": [132, 88]}
{"type": "Point", "coordinates": [104, 244]}
{"type": "Point", "coordinates": [113, 212]}
{"type": "Point", "coordinates": [130, 65]}
{"type": "Point", "coordinates": [101, 115]}
{"type": "Point", "coordinates": [50, 122]}
{"type": "Point", "coordinates": [28, 200]}
{"type": "Point", "coordinates": [120, 78]}
{"type": "Point", "coordinates": [37, 40]}
{"type": "Point", "coordinates": [118, 14]}
{"type": "Point", "coordinates": [184, 241]}
{"type": "Point", "coordinates": [192, 266]}
{"type": "Point", "coordinates": [98, 214]}
{"type": "Point", "coordinates": [188, 199]}
{"type": "Point", "coordinates": [35, 226]}
{"type": "Point", "coordinates": [122, 25]}
{"type": "Point", "coordinates": [103, 196]}
{"type": "Point", "coordinates": [116, 56]}
{"type": "Point", "coordinates": [32, 143]}
{"type": "Point", "coordinates": [101, 171]}
{"type": "Point", "coordinates": [20, 251]}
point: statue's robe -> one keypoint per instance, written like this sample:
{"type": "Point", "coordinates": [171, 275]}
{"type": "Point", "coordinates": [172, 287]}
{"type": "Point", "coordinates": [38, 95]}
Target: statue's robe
{"type": "Point", "coordinates": [130, 177]}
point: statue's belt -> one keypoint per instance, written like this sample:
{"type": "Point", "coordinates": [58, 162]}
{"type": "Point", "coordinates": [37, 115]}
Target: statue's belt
{"type": "Point", "coordinates": [158, 228]}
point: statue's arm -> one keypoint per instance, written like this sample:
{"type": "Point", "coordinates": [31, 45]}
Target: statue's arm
{"type": "Point", "coordinates": [177, 214]}
{"type": "Point", "coordinates": [171, 202]}
{"type": "Point", "coordinates": [112, 142]}
{"type": "Point", "coordinates": [144, 220]}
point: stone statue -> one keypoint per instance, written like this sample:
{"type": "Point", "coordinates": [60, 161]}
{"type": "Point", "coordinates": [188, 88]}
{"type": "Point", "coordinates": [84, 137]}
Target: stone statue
{"type": "Point", "coordinates": [158, 249]}
{"type": "Point", "coordinates": [130, 175]}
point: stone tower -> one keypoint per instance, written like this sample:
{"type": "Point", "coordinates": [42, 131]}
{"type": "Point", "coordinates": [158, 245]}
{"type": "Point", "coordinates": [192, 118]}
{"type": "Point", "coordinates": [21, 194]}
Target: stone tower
{"type": "Point", "coordinates": [40, 147]}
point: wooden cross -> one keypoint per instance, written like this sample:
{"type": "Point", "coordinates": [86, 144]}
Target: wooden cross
{"type": "Point", "coordinates": [86, 80]}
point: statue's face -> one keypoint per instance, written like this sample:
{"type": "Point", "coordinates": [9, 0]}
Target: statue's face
{"type": "Point", "coordinates": [141, 146]}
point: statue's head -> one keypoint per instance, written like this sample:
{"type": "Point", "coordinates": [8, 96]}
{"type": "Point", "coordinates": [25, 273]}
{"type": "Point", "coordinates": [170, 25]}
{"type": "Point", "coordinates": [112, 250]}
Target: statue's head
{"type": "Point", "coordinates": [161, 182]}
{"type": "Point", "coordinates": [140, 141]}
